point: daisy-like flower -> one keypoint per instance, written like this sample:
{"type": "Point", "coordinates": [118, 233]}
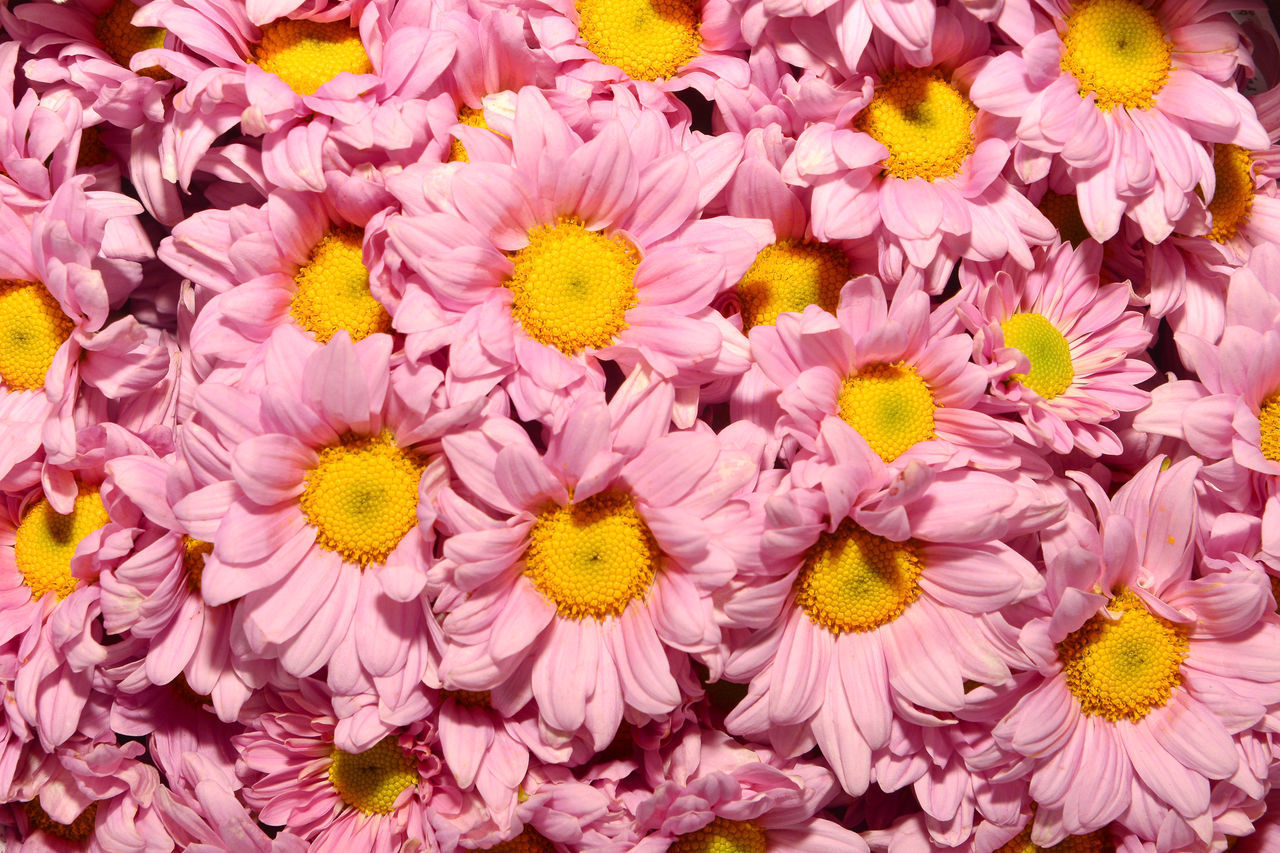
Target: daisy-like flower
{"type": "Point", "coordinates": [652, 46]}
{"type": "Point", "coordinates": [1059, 347]}
{"type": "Point", "coordinates": [376, 799]}
{"type": "Point", "coordinates": [323, 534]}
{"type": "Point", "coordinates": [1125, 93]}
{"type": "Point", "coordinates": [1230, 414]}
{"type": "Point", "coordinates": [54, 541]}
{"type": "Point", "coordinates": [894, 377]}
{"type": "Point", "coordinates": [60, 276]}
{"type": "Point", "coordinates": [906, 157]}
{"type": "Point", "coordinates": [579, 253]}
{"type": "Point", "coordinates": [590, 585]}
{"type": "Point", "coordinates": [742, 799]}
{"type": "Point", "coordinates": [305, 78]}
{"type": "Point", "coordinates": [1146, 672]}
{"type": "Point", "coordinates": [883, 602]}
{"type": "Point", "coordinates": [297, 260]}
{"type": "Point", "coordinates": [87, 794]}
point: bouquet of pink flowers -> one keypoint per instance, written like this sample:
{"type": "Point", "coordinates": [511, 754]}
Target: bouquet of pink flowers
{"type": "Point", "coordinates": [627, 426]}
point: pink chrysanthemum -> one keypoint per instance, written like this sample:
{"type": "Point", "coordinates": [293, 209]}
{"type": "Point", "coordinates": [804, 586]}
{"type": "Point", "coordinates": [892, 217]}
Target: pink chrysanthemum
{"type": "Point", "coordinates": [894, 377]}
{"type": "Point", "coordinates": [590, 585]}
{"type": "Point", "coordinates": [580, 252]}
{"type": "Point", "coordinates": [884, 601]}
{"type": "Point", "coordinates": [1059, 347]}
{"type": "Point", "coordinates": [324, 85]}
{"type": "Point", "coordinates": [1146, 673]}
{"type": "Point", "coordinates": [322, 534]}
{"type": "Point", "coordinates": [86, 795]}
{"type": "Point", "coordinates": [298, 260]}
{"type": "Point", "coordinates": [905, 157]}
{"type": "Point", "coordinates": [652, 46]}
{"type": "Point", "coordinates": [374, 800]}
{"type": "Point", "coordinates": [1131, 130]}
{"type": "Point", "coordinates": [54, 541]}
{"type": "Point", "coordinates": [738, 798]}
{"type": "Point", "coordinates": [61, 274]}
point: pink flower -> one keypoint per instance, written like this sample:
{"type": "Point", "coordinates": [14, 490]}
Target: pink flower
{"type": "Point", "coordinates": [321, 521]}
{"type": "Point", "coordinates": [882, 603]}
{"type": "Point", "coordinates": [928, 190]}
{"type": "Point", "coordinates": [1131, 133]}
{"type": "Point", "coordinates": [893, 377]}
{"type": "Point", "coordinates": [315, 108]}
{"type": "Point", "coordinates": [1057, 345]}
{"type": "Point", "coordinates": [589, 586]}
{"type": "Point", "coordinates": [494, 248]}
{"type": "Point", "coordinates": [1147, 675]}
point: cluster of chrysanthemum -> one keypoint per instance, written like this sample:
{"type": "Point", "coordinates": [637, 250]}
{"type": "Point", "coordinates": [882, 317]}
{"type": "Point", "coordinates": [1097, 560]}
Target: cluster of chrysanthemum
{"type": "Point", "coordinates": [708, 426]}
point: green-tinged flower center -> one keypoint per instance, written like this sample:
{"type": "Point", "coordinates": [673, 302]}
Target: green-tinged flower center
{"type": "Point", "coordinates": [1047, 352]}
{"type": "Point", "coordinates": [1233, 191]}
{"type": "Point", "coordinates": [890, 406]}
{"type": "Point", "coordinates": [924, 121]}
{"type": "Point", "coordinates": [46, 540]}
{"type": "Point", "coordinates": [308, 54]}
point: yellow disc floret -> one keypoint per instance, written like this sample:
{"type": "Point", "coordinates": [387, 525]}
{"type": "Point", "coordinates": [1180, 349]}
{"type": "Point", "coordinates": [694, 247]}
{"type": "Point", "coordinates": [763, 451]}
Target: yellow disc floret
{"type": "Point", "coordinates": [308, 54]}
{"type": "Point", "coordinates": [592, 558]}
{"type": "Point", "coordinates": [890, 406]}
{"type": "Point", "coordinates": [647, 39]}
{"type": "Point", "coordinates": [1123, 664]}
{"type": "Point", "coordinates": [78, 831]}
{"type": "Point", "coordinates": [855, 581]}
{"type": "Point", "coordinates": [529, 841]}
{"type": "Point", "coordinates": [46, 540]}
{"type": "Point", "coordinates": [333, 289]}
{"type": "Point", "coordinates": [121, 39]}
{"type": "Point", "coordinates": [194, 552]}
{"type": "Point", "coordinates": [1047, 352]}
{"type": "Point", "coordinates": [32, 327]}
{"type": "Point", "coordinates": [372, 780]}
{"type": "Point", "coordinates": [1094, 842]}
{"type": "Point", "coordinates": [1117, 50]}
{"type": "Point", "coordinates": [471, 117]}
{"type": "Point", "coordinates": [362, 497]}
{"type": "Point", "coordinates": [789, 276]}
{"type": "Point", "coordinates": [723, 836]}
{"type": "Point", "coordinates": [1269, 423]}
{"type": "Point", "coordinates": [924, 121]}
{"type": "Point", "coordinates": [571, 288]}
{"type": "Point", "coordinates": [1233, 191]}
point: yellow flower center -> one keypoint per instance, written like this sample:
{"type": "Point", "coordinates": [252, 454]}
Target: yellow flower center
{"type": "Point", "coordinates": [1124, 667]}
{"type": "Point", "coordinates": [1233, 191]}
{"type": "Point", "coordinates": [1117, 50]}
{"type": "Point", "coordinates": [78, 831]}
{"type": "Point", "coordinates": [333, 289]}
{"type": "Point", "coordinates": [1063, 211]}
{"type": "Point", "coordinates": [1046, 350]}
{"type": "Point", "coordinates": [593, 557]}
{"type": "Point", "coordinates": [372, 780]}
{"type": "Point", "coordinates": [1094, 842]}
{"type": "Point", "coordinates": [890, 406]}
{"type": "Point", "coordinates": [308, 54]}
{"type": "Point", "coordinates": [32, 327]}
{"type": "Point", "coordinates": [1269, 421]}
{"type": "Point", "coordinates": [723, 836]}
{"type": "Point", "coordinates": [647, 39]}
{"type": "Point", "coordinates": [529, 841]}
{"type": "Point", "coordinates": [789, 276]}
{"type": "Point", "coordinates": [856, 581]}
{"type": "Point", "coordinates": [571, 288]}
{"type": "Point", "coordinates": [924, 121]}
{"type": "Point", "coordinates": [362, 497]}
{"type": "Point", "coordinates": [121, 39]}
{"type": "Point", "coordinates": [471, 118]}
{"type": "Point", "coordinates": [45, 542]}
{"type": "Point", "coordinates": [194, 552]}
